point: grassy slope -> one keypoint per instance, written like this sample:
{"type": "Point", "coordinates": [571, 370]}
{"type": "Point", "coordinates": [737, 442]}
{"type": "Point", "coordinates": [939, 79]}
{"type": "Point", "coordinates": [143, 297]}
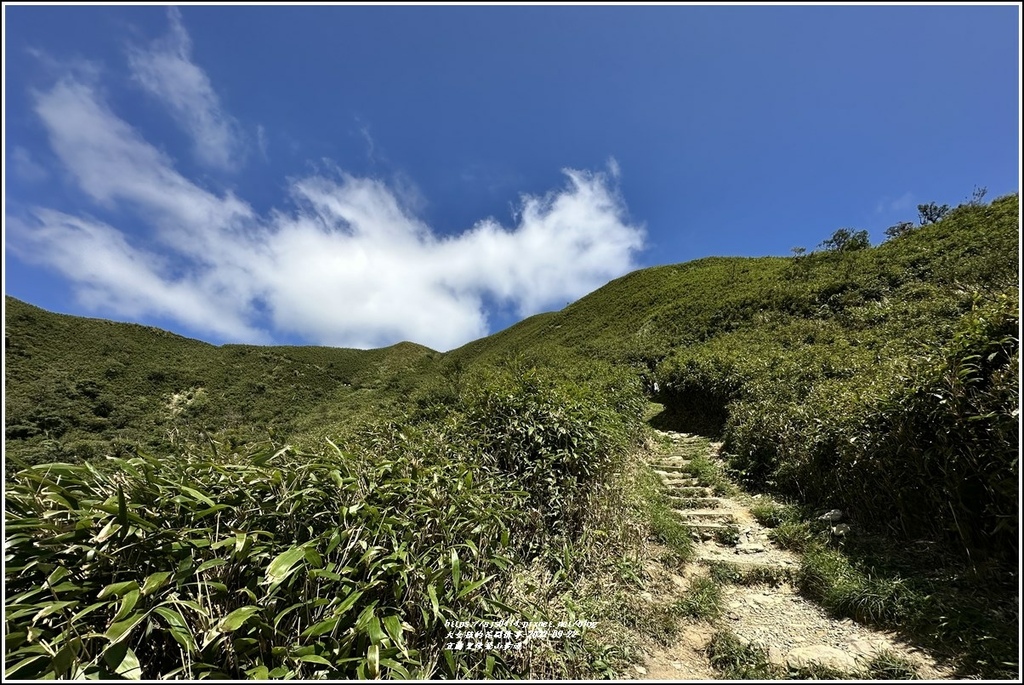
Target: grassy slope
{"type": "Point", "coordinates": [85, 382]}
{"type": "Point", "coordinates": [792, 352]}
{"type": "Point", "coordinates": [824, 333]}
{"type": "Point", "coordinates": [646, 314]}
{"type": "Point", "coordinates": [65, 372]}
{"type": "Point", "coordinates": [642, 314]}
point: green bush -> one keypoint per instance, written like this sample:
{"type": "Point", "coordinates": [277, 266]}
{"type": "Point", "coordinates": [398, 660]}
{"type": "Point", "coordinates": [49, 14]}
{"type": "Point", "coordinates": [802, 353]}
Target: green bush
{"type": "Point", "coordinates": [939, 451]}
{"type": "Point", "coordinates": [270, 566]}
{"type": "Point", "coordinates": [895, 398]}
{"type": "Point", "coordinates": [773, 515]}
{"type": "Point", "coordinates": [556, 439]}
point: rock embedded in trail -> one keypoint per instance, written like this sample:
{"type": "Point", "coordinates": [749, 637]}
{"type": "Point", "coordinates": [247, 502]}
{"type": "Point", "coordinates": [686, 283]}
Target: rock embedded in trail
{"type": "Point", "coordinates": [824, 655]}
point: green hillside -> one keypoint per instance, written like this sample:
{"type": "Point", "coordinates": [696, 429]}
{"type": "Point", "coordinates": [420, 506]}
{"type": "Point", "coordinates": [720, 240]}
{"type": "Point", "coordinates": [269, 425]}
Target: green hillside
{"type": "Point", "coordinates": [763, 351]}
{"type": "Point", "coordinates": [647, 313]}
{"type": "Point", "coordinates": [79, 387]}
{"type": "Point", "coordinates": [309, 512]}
{"type": "Point", "coordinates": [816, 369]}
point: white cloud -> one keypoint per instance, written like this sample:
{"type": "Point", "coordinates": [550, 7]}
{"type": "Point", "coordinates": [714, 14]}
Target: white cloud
{"type": "Point", "coordinates": [348, 264]}
{"type": "Point", "coordinates": [25, 167]}
{"type": "Point", "coordinates": [166, 71]}
{"type": "Point", "coordinates": [116, 276]}
{"type": "Point", "coordinates": [903, 203]}
{"type": "Point", "coordinates": [364, 131]}
{"type": "Point", "coordinates": [261, 142]}
{"type": "Point", "coordinates": [614, 168]}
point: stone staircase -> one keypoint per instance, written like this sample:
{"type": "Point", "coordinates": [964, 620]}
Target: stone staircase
{"type": "Point", "coordinates": [792, 629]}
{"type": "Point", "coordinates": [723, 528]}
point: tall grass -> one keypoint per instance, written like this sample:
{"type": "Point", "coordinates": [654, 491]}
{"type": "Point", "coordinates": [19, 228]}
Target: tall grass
{"type": "Point", "coordinates": [284, 564]}
{"type": "Point", "coordinates": [278, 565]}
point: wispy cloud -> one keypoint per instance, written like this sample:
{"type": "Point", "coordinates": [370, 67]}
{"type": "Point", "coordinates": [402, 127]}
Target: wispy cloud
{"type": "Point", "coordinates": [903, 203]}
{"type": "Point", "coordinates": [113, 163]}
{"type": "Point", "coordinates": [348, 263]}
{"type": "Point", "coordinates": [614, 168]}
{"type": "Point", "coordinates": [165, 70]}
{"type": "Point", "coordinates": [371, 146]}
{"type": "Point", "coordinates": [25, 167]}
{"type": "Point", "coordinates": [114, 275]}
{"type": "Point", "coordinates": [261, 142]}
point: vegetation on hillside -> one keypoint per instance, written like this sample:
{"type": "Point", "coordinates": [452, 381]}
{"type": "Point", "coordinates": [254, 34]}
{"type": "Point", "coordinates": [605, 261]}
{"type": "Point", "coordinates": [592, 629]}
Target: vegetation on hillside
{"type": "Point", "coordinates": [888, 386]}
{"type": "Point", "coordinates": [341, 563]}
{"type": "Point", "coordinates": [175, 509]}
{"type": "Point", "coordinates": [883, 380]}
{"type": "Point", "coordinates": [78, 388]}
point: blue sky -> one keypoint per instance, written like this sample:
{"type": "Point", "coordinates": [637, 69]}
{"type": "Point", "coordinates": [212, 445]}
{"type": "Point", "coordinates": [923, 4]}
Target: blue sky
{"type": "Point", "coordinates": [357, 176]}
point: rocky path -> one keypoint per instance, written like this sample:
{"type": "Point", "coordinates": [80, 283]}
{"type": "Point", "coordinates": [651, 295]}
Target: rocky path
{"type": "Point", "coordinates": [771, 615]}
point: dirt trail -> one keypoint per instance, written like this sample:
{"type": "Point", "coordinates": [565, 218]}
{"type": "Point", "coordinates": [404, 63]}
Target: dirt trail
{"type": "Point", "coordinates": [792, 629]}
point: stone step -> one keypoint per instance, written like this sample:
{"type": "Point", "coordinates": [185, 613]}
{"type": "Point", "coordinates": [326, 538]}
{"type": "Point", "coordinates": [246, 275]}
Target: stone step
{"type": "Point", "coordinates": [687, 520]}
{"type": "Point", "coordinates": [688, 491]}
{"type": "Point", "coordinates": [746, 563]}
{"type": "Point", "coordinates": [678, 476]}
{"type": "Point", "coordinates": [677, 481]}
{"type": "Point", "coordinates": [662, 466]}
{"type": "Point", "coordinates": [674, 474]}
{"type": "Point", "coordinates": [754, 551]}
{"type": "Point", "coordinates": [696, 502]}
{"type": "Point", "coordinates": [704, 525]}
{"type": "Point", "coordinates": [706, 514]}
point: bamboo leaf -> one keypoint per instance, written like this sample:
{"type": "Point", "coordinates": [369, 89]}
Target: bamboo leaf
{"type": "Point", "coordinates": [313, 659]}
{"type": "Point", "coordinates": [432, 594]}
{"type": "Point", "coordinates": [51, 608]}
{"type": "Point", "coordinates": [128, 603]}
{"type": "Point", "coordinates": [236, 619]}
{"type": "Point", "coordinates": [28, 667]}
{"type": "Point", "coordinates": [456, 575]}
{"type": "Point", "coordinates": [58, 574]}
{"type": "Point", "coordinates": [258, 673]}
{"type": "Point", "coordinates": [154, 582]}
{"type": "Point", "coordinates": [118, 589]}
{"type": "Point", "coordinates": [282, 565]}
{"type": "Point", "coordinates": [198, 495]}
{"type": "Point", "coordinates": [119, 631]}
{"type": "Point", "coordinates": [122, 507]}
{"type": "Point", "coordinates": [63, 659]}
{"type": "Point", "coordinates": [313, 557]}
{"type": "Point", "coordinates": [107, 531]}
{"type": "Point", "coordinates": [178, 626]}
{"type": "Point", "coordinates": [86, 611]}
{"type": "Point", "coordinates": [374, 630]}
{"type": "Point", "coordinates": [212, 563]}
{"type": "Point", "coordinates": [122, 660]}
{"type": "Point", "coordinates": [397, 668]}
{"type": "Point", "coordinates": [211, 510]}
{"type": "Point", "coordinates": [393, 626]}
{"type": "Point", "coordinates": [129, 668]}
{"type": "Point", "coordinates": [373, 660]}
{"type": "Point", "coordinates": [348, 603]}
{"type": "Point", "coordinates": [469, 587]}
{"type": "Point", "coordinates": [282, 614]}
{"type": "Point", "coordinates": [322, 627]}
